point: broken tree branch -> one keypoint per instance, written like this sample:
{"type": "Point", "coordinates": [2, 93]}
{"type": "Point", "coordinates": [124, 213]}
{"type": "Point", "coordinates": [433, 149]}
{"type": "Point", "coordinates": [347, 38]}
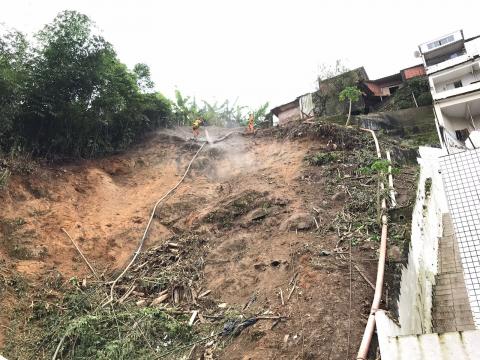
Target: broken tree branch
{"type": "Point", "coordinates": [364, 277]}
{"type": "Point", "coordinates": [81, 254]}
{"type": "Point", "coordinates": [291, 291]}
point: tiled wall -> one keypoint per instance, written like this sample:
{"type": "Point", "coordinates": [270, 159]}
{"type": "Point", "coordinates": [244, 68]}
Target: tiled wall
{"type": "Point", "coordinates": [461, 178]}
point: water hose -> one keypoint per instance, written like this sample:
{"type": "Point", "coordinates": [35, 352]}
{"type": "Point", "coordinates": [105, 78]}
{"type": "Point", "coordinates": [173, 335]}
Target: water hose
{"type": "Point", "coordinates": [145, 233]}
{"type": "Point", "coordinates": [147, 228]}
{"type": "Point", "coordinates": [370, 327]}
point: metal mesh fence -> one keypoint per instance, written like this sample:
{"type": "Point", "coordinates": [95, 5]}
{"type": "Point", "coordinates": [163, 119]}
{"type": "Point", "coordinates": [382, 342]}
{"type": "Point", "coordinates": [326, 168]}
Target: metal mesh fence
{"type": "Point", "coordinates": [461, 178]}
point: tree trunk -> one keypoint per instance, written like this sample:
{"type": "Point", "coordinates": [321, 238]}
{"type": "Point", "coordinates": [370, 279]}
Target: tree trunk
{"type": "Point", "coordinates": [349, 112]}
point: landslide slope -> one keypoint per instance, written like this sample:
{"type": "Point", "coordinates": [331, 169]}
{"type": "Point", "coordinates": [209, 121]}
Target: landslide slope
{"type": "Point", "coordinates": [263, 228]}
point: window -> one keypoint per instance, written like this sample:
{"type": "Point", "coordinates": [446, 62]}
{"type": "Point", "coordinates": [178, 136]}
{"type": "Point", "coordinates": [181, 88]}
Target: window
{"type": "Point", "coordinates": [441, 42]}
{"type": "Point", "coordinates": [453, 85]}
{"type": "Point", "coordinates": [462, 135]}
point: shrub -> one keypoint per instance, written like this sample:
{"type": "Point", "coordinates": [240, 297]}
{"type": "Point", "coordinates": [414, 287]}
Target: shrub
{"type": "Point", "coordinates": [321, 158]}
{"type": "Point", "coordinates": [424, 99]}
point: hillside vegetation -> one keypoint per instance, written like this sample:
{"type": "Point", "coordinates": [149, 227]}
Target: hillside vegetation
{"type": "Point", "coordinates": [67, 93]}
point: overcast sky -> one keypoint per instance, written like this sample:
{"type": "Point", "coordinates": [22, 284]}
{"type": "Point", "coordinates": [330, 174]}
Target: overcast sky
{"type": "Point", "coordinates": [252, 49]}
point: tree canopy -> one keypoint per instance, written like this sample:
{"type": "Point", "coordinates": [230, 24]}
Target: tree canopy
{"type": "Point", "coordinates": [66, 94]}
{"type": "Point", "coordinates": [186, 109]}
{"type": "Point", "coordinates": [69, 94]}
{"type": "Point", "coordinates": [352, 94]}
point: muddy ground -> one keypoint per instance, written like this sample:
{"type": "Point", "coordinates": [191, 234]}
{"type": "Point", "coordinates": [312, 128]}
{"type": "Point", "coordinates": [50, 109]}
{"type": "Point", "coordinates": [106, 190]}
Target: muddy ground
{"type": "Point", "coordinates": [253, 225]}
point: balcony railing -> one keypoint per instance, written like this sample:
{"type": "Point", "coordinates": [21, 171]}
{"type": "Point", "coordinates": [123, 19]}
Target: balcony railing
{"type": "Point", "coordinates": [457, 91]}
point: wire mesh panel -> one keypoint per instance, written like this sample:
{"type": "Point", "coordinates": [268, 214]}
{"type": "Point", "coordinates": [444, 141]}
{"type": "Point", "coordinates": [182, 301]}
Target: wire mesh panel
{"type": "Point", "coordinates": [461, 178]}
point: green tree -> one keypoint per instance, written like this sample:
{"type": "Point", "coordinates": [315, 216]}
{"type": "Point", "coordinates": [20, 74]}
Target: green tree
{"type": "Point", "coordinates": [184, 109]}
{"type": "Point", "coordinates": [72, 96]}
{"type": "Point", "coordinates": [260, 113]}
{"type": "Point", "coordinates": [144, 81]}
{"type": "Point", "coordinates": [352, 93]}
{"type": "Point", "coordinates": [14, 72]}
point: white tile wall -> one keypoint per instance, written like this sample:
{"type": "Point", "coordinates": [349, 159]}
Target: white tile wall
{"type": "Point", "coordinates": [461, 178]}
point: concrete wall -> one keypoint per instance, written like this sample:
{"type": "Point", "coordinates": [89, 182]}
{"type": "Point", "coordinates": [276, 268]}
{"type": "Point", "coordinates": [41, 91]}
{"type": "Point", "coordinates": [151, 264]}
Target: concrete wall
{"type": "Point", "coordinates": [418, 277]}
{"type": "Point", "coordinates": [414, 123]}
{"type": "Point", "coordinates": [326, 102]}
{"type": "Point", "coordinates": [460, 345]}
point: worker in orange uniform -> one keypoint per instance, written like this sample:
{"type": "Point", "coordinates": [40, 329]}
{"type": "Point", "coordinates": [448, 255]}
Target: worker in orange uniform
{"type": "Point", "coordinates": [196, 127]}
{"type": "Point", "coordinates": [251, 124]}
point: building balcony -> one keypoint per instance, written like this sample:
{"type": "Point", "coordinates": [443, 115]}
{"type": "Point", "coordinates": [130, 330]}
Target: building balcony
{"type": "Point", "coordinates": [457, 91]}
{"type": "Point", "coordinates": [459, 121]}
{"type": "Point", "coordinates": [431, 69]}
{"type": "Point", "coordinates": [462, 79]}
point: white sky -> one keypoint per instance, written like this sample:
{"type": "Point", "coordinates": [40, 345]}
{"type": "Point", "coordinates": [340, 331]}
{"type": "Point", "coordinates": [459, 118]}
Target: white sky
{"type": "Point", "coordinates": [252, 49]}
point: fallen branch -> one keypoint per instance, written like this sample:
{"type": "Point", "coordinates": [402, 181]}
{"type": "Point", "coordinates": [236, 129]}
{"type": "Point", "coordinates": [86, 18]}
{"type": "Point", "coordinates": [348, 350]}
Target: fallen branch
{"type": "Point", "coordinates": [291, 291]}
{"type": "Point", "coordinates": [191, 352]}
{"type": "Point", "coordinates": [192, 319]}
{"type": "Point", "coordinates": [266, 317]}
{"type": "Point", "coordinates": [205, 293]}
{"type": "Point", "coordinates": [360, 272]}
{"type": "Point", "coordinates": [81, 254]}
{"type": "Point", "coordinates": [162, 356]}
{"type": "Point", "coordinates": [127, 294]}
{"type": "Point", "coordinates": [364, 277]}
{"type": "Point", "coordinates": [59, 346]}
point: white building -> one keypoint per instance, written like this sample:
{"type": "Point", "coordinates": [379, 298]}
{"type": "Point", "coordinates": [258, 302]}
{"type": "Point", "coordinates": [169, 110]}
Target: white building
{"type": "Point", "coordinates": [452, 64]}
{"type": "Point", "coordinates": [439, 302]}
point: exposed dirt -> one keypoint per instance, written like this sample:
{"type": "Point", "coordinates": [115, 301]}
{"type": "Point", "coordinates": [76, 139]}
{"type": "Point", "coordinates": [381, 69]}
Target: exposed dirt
{"type": "Point", "coordinates": [258, 204]}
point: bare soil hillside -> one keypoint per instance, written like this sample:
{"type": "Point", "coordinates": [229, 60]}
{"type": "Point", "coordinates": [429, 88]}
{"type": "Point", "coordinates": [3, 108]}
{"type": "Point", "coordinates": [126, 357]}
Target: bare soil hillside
{"type": "Point", "coordinates": [262, 242]}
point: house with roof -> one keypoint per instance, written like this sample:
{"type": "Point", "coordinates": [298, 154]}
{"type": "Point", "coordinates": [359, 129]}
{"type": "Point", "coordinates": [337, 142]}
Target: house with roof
{"type": "Point", "coordinates": [324, 101]}
{"type": "Point", "coordinates": [388, 85]}
{"type": "Point", "coordinates": [299, 109]}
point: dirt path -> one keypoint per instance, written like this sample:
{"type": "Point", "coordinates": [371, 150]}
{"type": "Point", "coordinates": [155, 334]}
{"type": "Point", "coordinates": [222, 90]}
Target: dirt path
{"type": "Point", "coordinates": [270, 245]}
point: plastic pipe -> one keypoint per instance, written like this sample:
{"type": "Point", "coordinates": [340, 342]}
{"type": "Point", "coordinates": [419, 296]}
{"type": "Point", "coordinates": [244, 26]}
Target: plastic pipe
{"type": "Point", "coordinates": [370, 327]}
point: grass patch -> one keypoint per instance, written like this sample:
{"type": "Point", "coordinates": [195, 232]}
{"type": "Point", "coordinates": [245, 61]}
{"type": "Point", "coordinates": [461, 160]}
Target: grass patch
{"type": "Point", "coordinates": [322, 158]}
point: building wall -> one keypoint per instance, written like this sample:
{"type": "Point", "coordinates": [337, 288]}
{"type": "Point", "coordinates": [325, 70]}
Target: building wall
{"type": "Point", "coordinates": [413, 72]}
{"type": "Point", "coordinates": [288, 115]}
{"type": "Point", "coordinates": [326, 102]}
{"type": "Point", "coordinates": [418, 277]}
{"type": "Point", "coordinates": [408, 123]}
{"type": "Point", "coordinates": [306, 106]}
{"type": "Point", "coordinates": [473, 47]}
{"type": "Point", "coordinates": [375, 89]}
